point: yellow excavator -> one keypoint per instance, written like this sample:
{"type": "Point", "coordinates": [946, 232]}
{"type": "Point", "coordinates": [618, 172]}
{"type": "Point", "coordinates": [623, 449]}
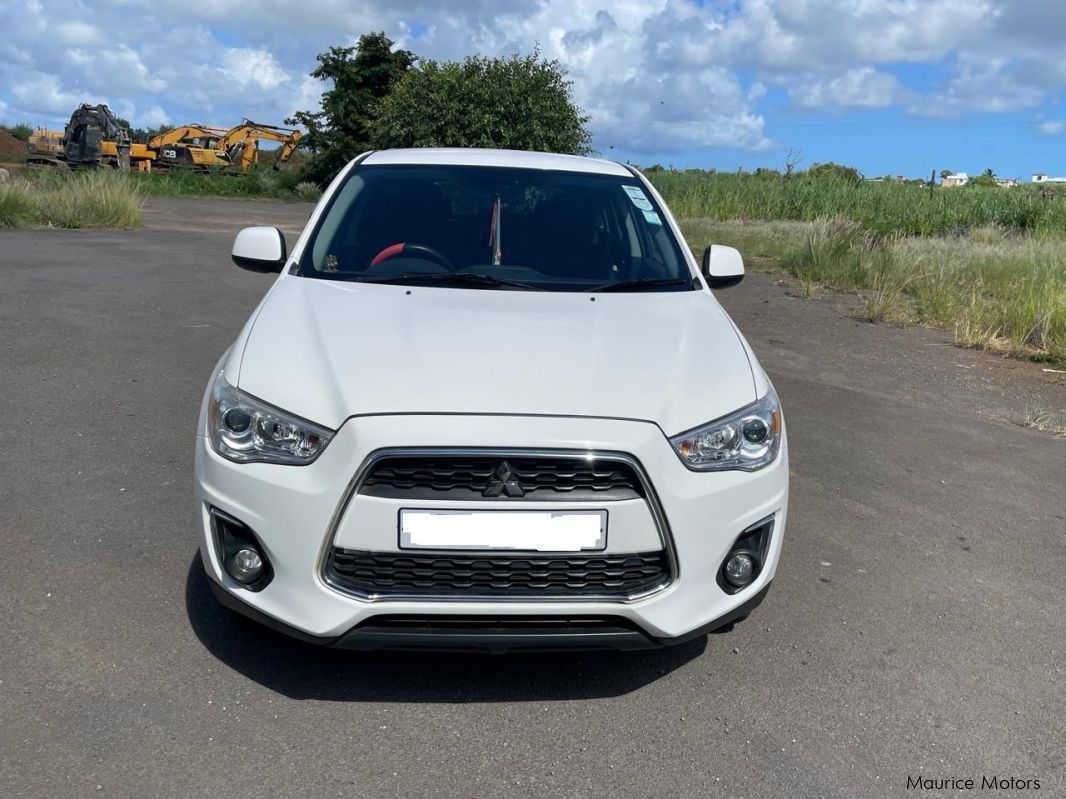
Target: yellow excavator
{"type": "Point", "coordinates": [201, 147]}
{"type": "Point", "coordinates": [192, 145]}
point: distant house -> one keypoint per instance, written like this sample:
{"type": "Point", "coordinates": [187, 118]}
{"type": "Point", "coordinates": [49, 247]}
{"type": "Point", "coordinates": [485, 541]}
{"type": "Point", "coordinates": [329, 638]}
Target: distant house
{"type": "Point", "coordinates": [1007, 183]}
{"type": "Point", "coordinates": [954, 179]}
{"type": "Point", "coordinates": [1040, 177]}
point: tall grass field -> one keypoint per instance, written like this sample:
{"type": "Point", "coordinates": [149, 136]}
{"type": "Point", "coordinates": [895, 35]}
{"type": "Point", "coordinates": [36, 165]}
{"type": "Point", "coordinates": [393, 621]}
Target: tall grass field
{"type": "Point", "coordinates": [991, 289]}
{"type": "Point", "coordinates": [882, 207]}
{"type": "Point", "coordinates": [987, 264]}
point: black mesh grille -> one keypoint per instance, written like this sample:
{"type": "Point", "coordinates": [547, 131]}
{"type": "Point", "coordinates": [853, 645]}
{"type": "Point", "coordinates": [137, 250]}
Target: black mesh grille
{"type": "Point", "coordinates": [526, 575]}
{"type": "Point", "coordinates": [496, 477]}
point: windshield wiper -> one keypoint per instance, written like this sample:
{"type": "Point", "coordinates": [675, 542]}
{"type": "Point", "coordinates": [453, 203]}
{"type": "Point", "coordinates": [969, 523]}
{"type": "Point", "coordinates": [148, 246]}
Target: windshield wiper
{"type": "Point", "coordinates": [643, 283]}
{"type": "Point", "coordinates": [455, 278]}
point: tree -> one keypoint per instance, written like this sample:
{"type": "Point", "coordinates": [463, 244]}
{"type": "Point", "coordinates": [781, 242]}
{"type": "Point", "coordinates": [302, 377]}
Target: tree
{"type": "Point", "coordinates": [361, 77]}
{"type": "Point", "coordinates": [792, 160]}
{"type": "Point", "coordinates": [836, 172]}
{"type": "Point", "coordinates": [946, 173]}
{"type": "Point", "coordinates": [519, 103]}
{"type": "Point", "coordinates": [986, 178]}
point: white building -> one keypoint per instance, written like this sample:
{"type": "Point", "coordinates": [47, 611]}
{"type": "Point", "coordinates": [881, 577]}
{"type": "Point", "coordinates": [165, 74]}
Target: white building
{"type": "Point", "coordinates": [954, 179]}
{"type": "Point", "coordinates": [1040, 177]}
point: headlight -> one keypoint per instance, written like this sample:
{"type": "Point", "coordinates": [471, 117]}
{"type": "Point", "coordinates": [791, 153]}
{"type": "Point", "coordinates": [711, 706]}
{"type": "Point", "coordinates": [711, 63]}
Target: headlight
{"type": "Point", "coordinates": [748, 439]}
{"type": "Point", "coordinates": [248, 430]}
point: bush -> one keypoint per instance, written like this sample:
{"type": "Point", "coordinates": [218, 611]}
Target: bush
{"type": "Point", "coordinates": [307, 191]}
{"type": "Point", "coordinates": [518, 103]}
{"type": "Point", "coordinates": [848, 174]}
{"type": "Point", "coordinates": [21, 131]}
{"type": "Point", "coordinates": [92, 198]}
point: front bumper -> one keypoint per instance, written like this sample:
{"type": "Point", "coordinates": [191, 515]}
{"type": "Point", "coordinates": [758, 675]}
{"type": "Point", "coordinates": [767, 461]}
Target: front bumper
{"type": "Point", "coordinates": [490, 634]}
{"type": "Point", "coordinates": [296, 512]}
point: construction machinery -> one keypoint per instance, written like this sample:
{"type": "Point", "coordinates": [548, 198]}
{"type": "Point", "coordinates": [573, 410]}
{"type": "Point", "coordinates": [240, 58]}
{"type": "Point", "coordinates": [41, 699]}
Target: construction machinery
{"type": "Point", "coordinates": [93, 137]}
{"type": "Point", "coordinates": [201, 147]}
{"type": "Point", "coordinates": [193, 145]}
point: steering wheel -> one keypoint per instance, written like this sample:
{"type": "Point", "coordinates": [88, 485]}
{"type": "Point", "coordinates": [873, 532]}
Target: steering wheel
{"type": "Point", "coordinates": [412, 251]}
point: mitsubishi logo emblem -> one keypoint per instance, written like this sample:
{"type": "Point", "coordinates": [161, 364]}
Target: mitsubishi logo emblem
{"type": "Point", "coordinates": [503, 481]}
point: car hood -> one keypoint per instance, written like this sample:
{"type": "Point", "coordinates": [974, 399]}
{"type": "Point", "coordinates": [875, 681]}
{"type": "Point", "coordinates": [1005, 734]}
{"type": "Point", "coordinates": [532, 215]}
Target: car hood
{"type": "Point", "coordinates": [328, 350]}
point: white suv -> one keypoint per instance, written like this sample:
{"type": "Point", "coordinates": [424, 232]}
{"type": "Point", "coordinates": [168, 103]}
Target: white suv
{"type": "Point", "coordinates": [490, 402]}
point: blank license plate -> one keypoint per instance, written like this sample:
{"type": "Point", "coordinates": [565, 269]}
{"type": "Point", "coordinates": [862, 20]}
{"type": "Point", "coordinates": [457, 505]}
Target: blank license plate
{"type": "Point", "coordinates": [526, 530]}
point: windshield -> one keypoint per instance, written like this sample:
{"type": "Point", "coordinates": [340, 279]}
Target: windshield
{"type": "Point", "coordinates": [491, 227]}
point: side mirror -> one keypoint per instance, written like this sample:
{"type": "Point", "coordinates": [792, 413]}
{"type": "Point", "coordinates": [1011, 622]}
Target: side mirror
{"type": "Point", "coordinates": [722, 266]}
{"type": "Point", "coordinates": [260, 249]}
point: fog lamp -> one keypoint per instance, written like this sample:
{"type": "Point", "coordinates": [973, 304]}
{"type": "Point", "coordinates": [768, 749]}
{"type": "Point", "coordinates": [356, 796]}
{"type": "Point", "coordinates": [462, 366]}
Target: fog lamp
{"type": "Point", "coordinates": [739, 570]}
{"type": "Point", "coordinates": [245, 566]}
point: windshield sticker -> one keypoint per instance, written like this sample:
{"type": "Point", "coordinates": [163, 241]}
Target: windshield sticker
{"type": "Point", "coordinates": [639, 198]}
{"type": "Point", "coordinates": [653, 217]}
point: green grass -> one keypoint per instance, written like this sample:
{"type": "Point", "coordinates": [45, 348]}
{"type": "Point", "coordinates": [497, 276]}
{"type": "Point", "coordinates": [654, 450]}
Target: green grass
{"type": "Point", "coordinates": [89, 199]}
{"type": "Point", "coordinates": [885, 208]}
{"type": "Point", "coordinates": [260, 182]}
{"type": "Point", "coordinates": [20, 131]}
{"type": "Point", "coordinates": [991, 289]}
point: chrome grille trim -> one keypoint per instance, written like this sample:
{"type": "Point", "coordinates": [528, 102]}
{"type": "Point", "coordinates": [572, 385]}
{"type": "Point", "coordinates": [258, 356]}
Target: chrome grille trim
{"type": "Point", "coordinates": [650, 498]}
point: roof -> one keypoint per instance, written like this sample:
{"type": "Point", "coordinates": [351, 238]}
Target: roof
{"type": "Point", "coordinates": [461, 156]}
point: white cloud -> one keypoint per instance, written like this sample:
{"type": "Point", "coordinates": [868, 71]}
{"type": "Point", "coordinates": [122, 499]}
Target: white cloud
{"type": "Point", "coordinates": [1052, 127]}
{"type": "Point", "coordinates": [864, 87]}
{"type": "Point", "coordinates": [154, 117]}
{"type": "Point", "coordinates": [119, 69]}
{"type": "Point", "coordinates": [257, 66]}
{"type": "Point", "coordinates": [41, 92]}
{"type": "Point", "coordinates": [980, 84]}
{"type": "Point", "coordinates": [656, 76]}
{"type": "Point", "coordinates": [78, 33]}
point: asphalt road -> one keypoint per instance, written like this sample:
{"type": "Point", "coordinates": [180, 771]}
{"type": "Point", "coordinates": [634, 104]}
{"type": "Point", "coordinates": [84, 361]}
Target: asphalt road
{"type": "Point", "coordinates": [916, 625]}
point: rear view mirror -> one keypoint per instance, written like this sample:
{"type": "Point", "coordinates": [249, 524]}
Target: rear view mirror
{"type": "Point", "coordinates": [722, 266]}
{"type": "Point", "coordinates": [260, 249]}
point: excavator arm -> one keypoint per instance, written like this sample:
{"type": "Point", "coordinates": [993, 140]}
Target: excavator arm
{"type": "Point", "coordinates": [207, 135]}
{"type": "Point", "coordinates": [243, 141]}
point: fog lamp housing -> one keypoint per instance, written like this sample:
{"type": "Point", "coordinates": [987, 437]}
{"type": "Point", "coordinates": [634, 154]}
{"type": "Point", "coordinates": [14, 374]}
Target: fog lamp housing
{"type": "Point", "coordinates": [743, 563]}
{"type": "Point", "coordinates": [240, 553]}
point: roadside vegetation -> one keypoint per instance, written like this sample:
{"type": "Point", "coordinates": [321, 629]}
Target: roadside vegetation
{"type": "Point", "coordinates": [258, 182]}
{"type": "Point", "coordinates": [880, 207]}
{"type": "Point", "coordinates": [990, 286]}
{"type": "Point", "coordinates": [101, 198]}
{"type": "Point", "coordinates": [91, 199]}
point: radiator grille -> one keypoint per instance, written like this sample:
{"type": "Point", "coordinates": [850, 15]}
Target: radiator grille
{"type": "Point", "coordinates": [376, 573]}
{"type": "Point", "coordinates": [450, 477]}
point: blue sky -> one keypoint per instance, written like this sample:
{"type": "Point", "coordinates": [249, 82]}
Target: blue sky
{"type": "Point", "coordinates": [889, 86]}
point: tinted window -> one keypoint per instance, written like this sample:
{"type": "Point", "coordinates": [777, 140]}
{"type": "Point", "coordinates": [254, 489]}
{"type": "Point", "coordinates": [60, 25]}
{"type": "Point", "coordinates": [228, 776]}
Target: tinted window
{"type": "Point", "coordinates": [562, 231]}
